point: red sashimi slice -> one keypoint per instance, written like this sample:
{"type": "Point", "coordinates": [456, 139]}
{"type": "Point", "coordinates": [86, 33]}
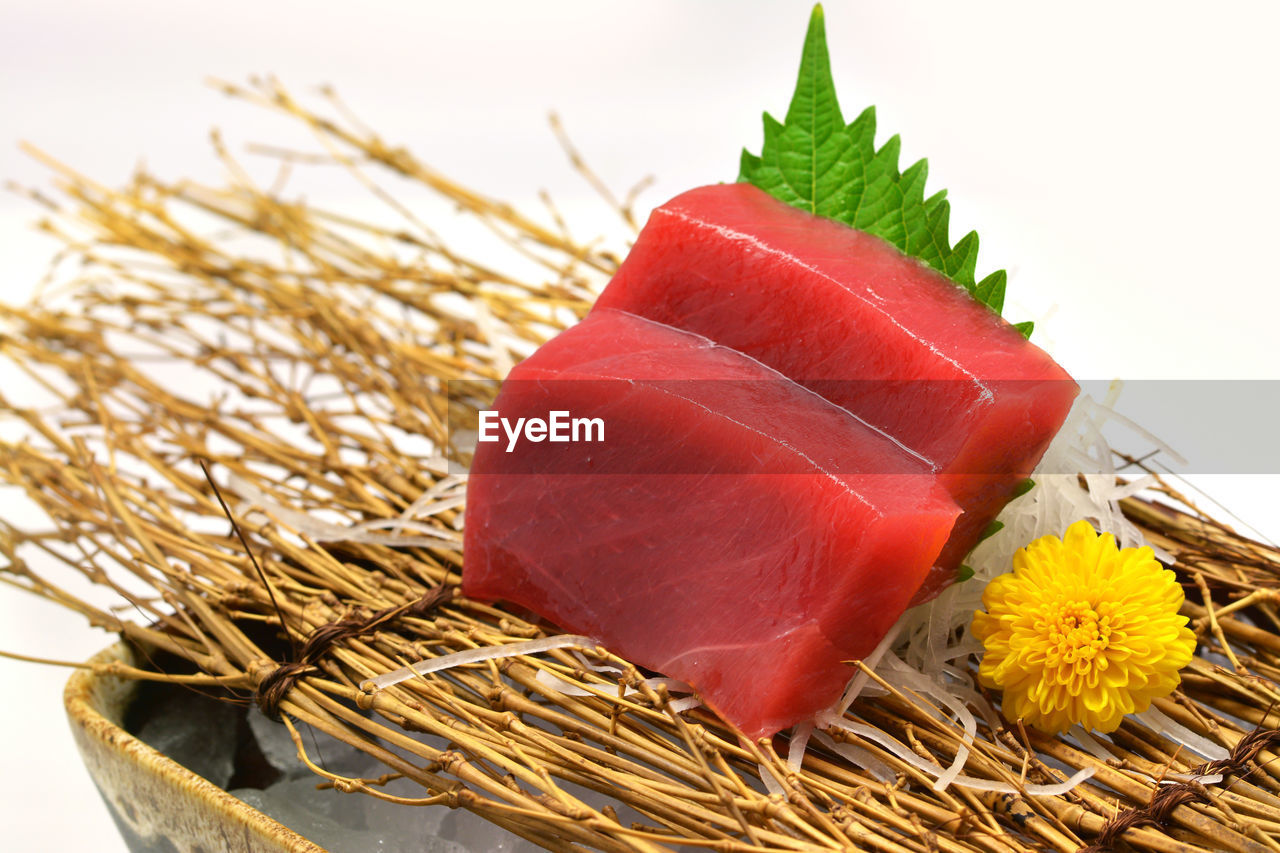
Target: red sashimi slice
{"type": "Point", "coordinates": [868, 328]}
{"type": "Point", "coordinates": [733, 530]}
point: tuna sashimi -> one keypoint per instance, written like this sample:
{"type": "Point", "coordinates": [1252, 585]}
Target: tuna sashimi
{"type": "Point", "coordinates": [868, 328]}
{"type": "Point", "coordinates": [733, 530]}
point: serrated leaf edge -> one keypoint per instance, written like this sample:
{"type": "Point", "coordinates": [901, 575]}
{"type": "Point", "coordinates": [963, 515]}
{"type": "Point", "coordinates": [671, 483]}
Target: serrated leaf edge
{"type": "Point", "coordinates": [876, 197]}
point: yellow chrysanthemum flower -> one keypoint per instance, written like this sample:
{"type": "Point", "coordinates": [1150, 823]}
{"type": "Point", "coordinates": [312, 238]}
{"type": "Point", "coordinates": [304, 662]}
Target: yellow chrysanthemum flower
{"type": "Point", "coordinates": [1082, 632]}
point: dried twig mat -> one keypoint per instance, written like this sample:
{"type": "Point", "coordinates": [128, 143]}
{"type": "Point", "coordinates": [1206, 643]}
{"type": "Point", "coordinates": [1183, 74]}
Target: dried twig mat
{"type": "Point", "coordinates": [315, 363]}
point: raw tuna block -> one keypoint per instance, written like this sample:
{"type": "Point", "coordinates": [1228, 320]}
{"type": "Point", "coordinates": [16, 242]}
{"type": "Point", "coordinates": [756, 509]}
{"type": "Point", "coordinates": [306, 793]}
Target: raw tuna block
{"type": "Point", "coordinates": [870, 329]}
{"type": "Point", "coordinates": [733, 530]}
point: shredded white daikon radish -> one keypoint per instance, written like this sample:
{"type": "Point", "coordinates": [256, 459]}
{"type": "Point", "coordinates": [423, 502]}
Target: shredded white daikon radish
{"type": "Point", "coordinates": [559, 685]}
{"type": "Point", "coordinates": [1127, 490]}
{"type": "Point", "coordinates": [857, 756]}
{"type": "Point", "coordinates": [1090, 743]}
{"type": "Point", "coordinates": [952, 773]}
{"type": "Point", "coordinates": [1096, 749]}
{"type": "Point", "coordinates": [469, 656]}
{"type": "Point", "coordinates": [859, 682]}
{"type": "Point", "coordinates": [401, 524]}
{"type": "Point", "coordinates": [898, 675]}
{"type": "Point", "coordinates": [320, 530]}
{"type": "Point", "coordinates": [455, 483]}
{"type": "Point", "coordinates": [1055, 790]}
{"type": "Point", "coordinates": [673, 685]}
{"type": "Point", "coordinates": [439, 506]}
{"type": "Point", "coordinates": [799, 742]}
{"type": "Point", "coordinates": [1178, 733]}
{"type": "Point", "coordinates": [595, 667]}
{"type": "Point", "coordinates": [904, 753]}
{"type": "Point", "coordinates": [772, 785]}
{"type": "Point", "coordinates": [437, 464]}
{"type": "Point", "coordinates": [1175, 778]}
{"type": "Point", "coordinates": [887, 741]}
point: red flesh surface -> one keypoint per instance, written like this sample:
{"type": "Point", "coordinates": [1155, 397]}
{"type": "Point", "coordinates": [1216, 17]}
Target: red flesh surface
{"type": "Point", "coordinates": [868, 328]}
{"type": "Point", "coordinates": [735, 530]}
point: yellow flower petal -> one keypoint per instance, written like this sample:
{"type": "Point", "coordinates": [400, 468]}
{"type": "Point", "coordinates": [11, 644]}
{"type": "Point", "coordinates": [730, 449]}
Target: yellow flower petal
{"type": "Point", "coordinates": [1082, 631]}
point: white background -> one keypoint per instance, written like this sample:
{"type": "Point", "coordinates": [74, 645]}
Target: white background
{"type": "Point", "coordinates": [1118, 158]}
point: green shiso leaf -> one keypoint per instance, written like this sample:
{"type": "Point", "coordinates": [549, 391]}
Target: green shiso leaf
{"type": "Point", "coordinates": [1024, 487]}
{"type": "Point", "coordinates": [991, 530]}
{"type": "Point", "coordinates": [816, 162]}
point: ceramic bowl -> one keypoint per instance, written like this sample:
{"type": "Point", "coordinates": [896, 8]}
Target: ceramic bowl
{"type": "Point", "coordinates": [159, 805]}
